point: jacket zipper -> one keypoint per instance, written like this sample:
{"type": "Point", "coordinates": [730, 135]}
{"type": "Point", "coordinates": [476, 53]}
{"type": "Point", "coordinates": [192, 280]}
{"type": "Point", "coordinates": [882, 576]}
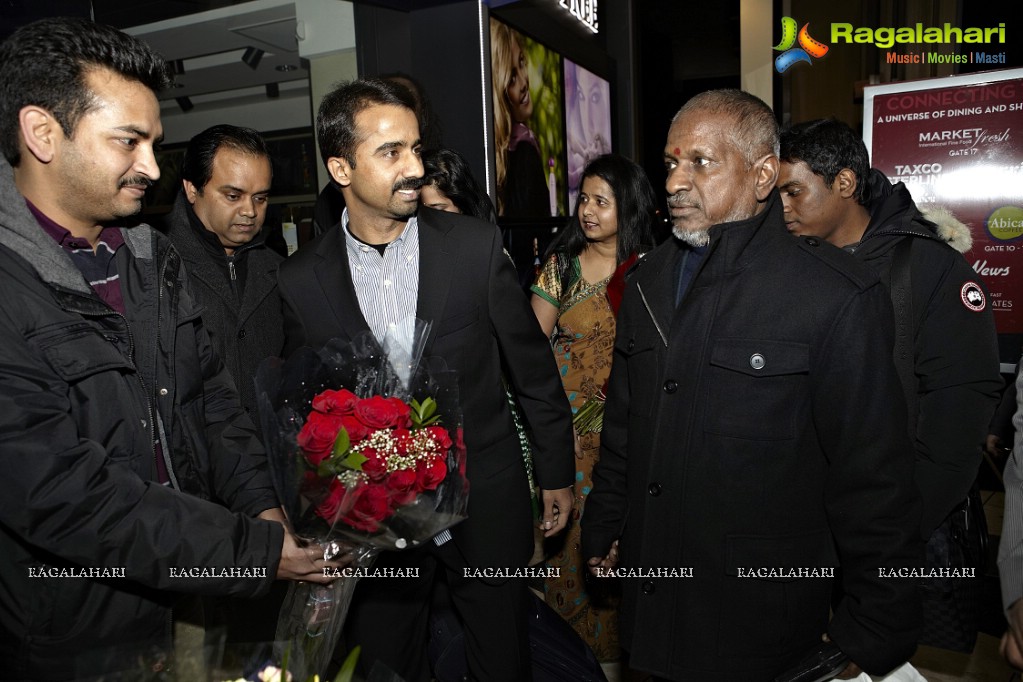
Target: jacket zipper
{"type": "Point", "coordinates": [230, 268]}
{"type": "Point", "coordinates": [158, 430]}
{"type": "Point", "coordinates": [150, 424]}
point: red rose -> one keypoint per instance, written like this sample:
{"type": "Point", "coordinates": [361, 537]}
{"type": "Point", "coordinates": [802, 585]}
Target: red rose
{"type": "Point", "coordinates": [440, 436]}
{"type": "Point", "coordinates": [330, 507]}
{"type": "Point", "coordinates": [430, 472]}
{"type": "Point", "coordinates": [378, 412]}
{"type": "Point", "coordinates": [375, 465]}
{"type": "Point", "coordinates": [371, 507]}
{"type": "Point", "coordinates": [356, 429]}
{"type": "Point", "coordinates": [402, 485]}
{"type": "Point", "coordinates": [318, 435]}
{"type": "Point", "coordinates": [335, 402]}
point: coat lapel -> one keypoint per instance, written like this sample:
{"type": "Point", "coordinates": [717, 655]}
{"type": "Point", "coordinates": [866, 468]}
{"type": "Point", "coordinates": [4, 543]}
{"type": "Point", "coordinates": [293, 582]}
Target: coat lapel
{"type": "Point", "coordinates": [656, 285]}
{"type": "Point", "coordinates": [435, 267]}
{"type": "Point", "coordinates": [335, 279]}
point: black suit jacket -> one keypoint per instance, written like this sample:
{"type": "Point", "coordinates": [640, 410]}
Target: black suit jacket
{"type": "Point", "coordinates": [483, 327]}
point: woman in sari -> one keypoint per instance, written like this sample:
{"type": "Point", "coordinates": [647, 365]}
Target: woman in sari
{"type": "Point", "coordinates": [575, 299]}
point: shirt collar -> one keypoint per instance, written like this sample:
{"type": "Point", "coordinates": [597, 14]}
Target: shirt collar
{"type": "Point", "coordinates": [110, 235]}
{"type": "Point", "coordinates": [408, 236]}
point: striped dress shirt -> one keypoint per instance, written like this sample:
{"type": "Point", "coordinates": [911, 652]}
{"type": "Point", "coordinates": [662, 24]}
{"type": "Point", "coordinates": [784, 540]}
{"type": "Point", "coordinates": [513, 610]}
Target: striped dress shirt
{"type": "Point", "coordinates": [387, 286]}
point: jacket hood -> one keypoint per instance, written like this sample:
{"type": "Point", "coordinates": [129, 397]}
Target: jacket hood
{"type": "Point", "coordinates": [20, 232]}
{"type": "Point", "coordinates": [949, 228]}
{"type": "Point", "coordinates": [893, 213]}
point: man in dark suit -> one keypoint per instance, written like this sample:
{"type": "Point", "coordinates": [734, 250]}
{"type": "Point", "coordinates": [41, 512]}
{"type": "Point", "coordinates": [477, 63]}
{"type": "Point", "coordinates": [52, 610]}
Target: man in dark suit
{"type": "Point", "coordinates": [753, 435]}
{"type": "Point", "coordinates": [381, 265]}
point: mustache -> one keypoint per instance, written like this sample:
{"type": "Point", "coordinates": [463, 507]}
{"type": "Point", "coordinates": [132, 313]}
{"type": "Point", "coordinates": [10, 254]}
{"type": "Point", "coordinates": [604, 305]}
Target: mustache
{"type": "Point", "coordinates": [680, 200]}
{"type": "Point", "coordinates": [136, 180]}
{"type": "Point", "coordinates": [407, 184]}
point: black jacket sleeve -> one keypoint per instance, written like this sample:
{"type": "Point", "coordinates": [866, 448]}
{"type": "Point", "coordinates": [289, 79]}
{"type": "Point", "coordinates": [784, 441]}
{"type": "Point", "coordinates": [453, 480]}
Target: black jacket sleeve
{"type": "Point", "coordinates": [873, 509]}
{"type": "Point", "coordinates": [958, 380]}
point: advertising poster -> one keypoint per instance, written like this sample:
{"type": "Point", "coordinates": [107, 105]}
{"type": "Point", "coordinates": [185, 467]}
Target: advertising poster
{"type": "Point", "coordinates": [529, 124]}
{"type": "Point", "coordinates": [958, 142]}
{"type": "Point", "coordinates": [588, 122]}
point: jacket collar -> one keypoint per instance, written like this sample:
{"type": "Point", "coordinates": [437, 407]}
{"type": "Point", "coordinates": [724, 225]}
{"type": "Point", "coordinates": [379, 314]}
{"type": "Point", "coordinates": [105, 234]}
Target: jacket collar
{"type": "Point", "coordinates": [195, 241]}
{"type": "Point", "coordinates": [732, 247]}
{"type": "Point", "coordinates": [20, 232]}
{"type": "Point", "coordinates": [435, 270]}
{"type": "Point", "coordinates": [436, 265]}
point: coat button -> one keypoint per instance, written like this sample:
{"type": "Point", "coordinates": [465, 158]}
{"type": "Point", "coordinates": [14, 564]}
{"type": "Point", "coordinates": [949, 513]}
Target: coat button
{"type": "Point", "coordinates": [654, 489]}
{"type": "Point", "coordinates": [241, 333]}
{"type": "Point", "coordinates": [756, 361]}
{"type": "Point", "coordinates": [670, 386]}
{"type": "Point", "coordinates": [812, 241]}
{"type": "Point", "coordinates": [647, 587]}
{"type": "Point", "coordinates": [164, 391]}
{"type": "Point", "coordinates": [631, 345]}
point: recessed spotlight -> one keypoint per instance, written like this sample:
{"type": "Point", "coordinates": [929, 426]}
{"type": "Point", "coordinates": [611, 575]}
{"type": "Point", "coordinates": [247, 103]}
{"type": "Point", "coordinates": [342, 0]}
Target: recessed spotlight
{"type": "Point", "coordinates": [285, 67]}
{"type": "Point", "coordinates": [252, 57]}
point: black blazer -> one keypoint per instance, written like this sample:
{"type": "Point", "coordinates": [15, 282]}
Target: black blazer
{"type": "Point", "coordinates": [483, 328]}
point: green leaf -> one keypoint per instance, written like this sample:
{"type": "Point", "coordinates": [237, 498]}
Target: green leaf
{"type": "Point", "coordinates": [424, 413]}
{"type": "Point", "coordinates": [341, 443]}
{"type": "Point", "coordinates": [354, 461]}
{"type": "Point", "coordinates": [348, 667]}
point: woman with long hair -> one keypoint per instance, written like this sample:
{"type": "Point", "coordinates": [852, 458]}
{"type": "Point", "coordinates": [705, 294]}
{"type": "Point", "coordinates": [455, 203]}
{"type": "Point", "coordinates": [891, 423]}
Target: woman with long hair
{"type": "Point", "coordinates": [521, 185]}
{"type": "Point", "coordinates": [575, 298]}
{"type": "Point", "coordinates": [449, 185]}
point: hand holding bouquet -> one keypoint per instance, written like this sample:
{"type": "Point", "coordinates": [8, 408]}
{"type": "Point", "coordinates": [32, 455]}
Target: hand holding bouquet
{"type": "Point", "coordinates": [365, 448]}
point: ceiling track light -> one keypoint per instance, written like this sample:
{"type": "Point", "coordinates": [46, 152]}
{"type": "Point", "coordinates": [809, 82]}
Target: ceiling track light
{"type": "Point", "coordinates": [252, 56]}
{"type": "Point", "coordinates": [185, 103]}
{"type": "Point", "coordinates": [273, 91]}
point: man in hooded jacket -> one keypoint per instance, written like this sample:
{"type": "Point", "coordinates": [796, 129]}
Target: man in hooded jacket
{"type": "Point", "coordinates": [829, 191]}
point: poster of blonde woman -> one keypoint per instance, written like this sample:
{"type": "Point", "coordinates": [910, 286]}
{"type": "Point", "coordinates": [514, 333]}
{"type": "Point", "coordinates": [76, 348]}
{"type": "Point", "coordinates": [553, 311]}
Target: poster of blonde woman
{"type": "Point", "coordinates": [587, 121]}
{"type": "Point", "coordinates": [529, 141]}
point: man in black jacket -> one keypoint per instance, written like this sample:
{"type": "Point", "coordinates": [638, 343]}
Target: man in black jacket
{"type": "Point", "coordinates": [216, 225]}
{"type": "Point", "coordinates": [747, 451]}
{"type": "Point", "coordinates": [829, 191]}
{"type": "Point", "coordinates": [118, 423]}
{"type": "Point", "coordinates": [387, 261]}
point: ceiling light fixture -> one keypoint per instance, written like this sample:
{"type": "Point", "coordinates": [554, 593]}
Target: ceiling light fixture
{"type": "Point", "coordinates": [252, 56]}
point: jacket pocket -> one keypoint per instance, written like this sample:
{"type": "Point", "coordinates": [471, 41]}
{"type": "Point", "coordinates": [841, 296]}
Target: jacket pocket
{"type": "Point", "coordinates": [458, 322]}
{"type": "Point", "coordinates": [780, 558]}
{"type": "Point", "coordinates": [78, 351]}
{"type": "Point", "coordinates": [756, 388]}
{"type": "Point", "coordinates": [636, 346]}
{"type": "Point", "coordinates": [771, 601]}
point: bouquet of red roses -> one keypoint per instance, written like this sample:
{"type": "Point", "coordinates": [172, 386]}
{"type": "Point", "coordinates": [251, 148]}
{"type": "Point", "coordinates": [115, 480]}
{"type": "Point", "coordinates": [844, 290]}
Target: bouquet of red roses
{"type": "Point", "coordinates": [376, 455]}
{"type": "Point", "coordinates": [365, 450]}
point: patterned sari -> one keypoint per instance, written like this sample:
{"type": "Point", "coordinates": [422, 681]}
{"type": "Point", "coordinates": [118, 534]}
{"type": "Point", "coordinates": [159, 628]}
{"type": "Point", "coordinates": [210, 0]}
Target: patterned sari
{"type": "Point", "coordinates": [583, 340]}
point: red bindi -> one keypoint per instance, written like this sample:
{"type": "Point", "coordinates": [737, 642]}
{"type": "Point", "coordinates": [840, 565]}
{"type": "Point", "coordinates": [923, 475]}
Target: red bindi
{"type": "Point", "coordinates": [677, 151]}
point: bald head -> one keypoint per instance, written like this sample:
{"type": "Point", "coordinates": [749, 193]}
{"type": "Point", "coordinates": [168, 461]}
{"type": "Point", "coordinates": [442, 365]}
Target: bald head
{"type": "Point", "coordinates": [755, 130]}
{"type": "Point", "coordinates": [722, 162]}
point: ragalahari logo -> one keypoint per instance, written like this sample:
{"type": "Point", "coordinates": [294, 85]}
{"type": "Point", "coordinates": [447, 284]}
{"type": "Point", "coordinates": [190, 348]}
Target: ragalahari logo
{"type": "Point", "coordinates": [808, 47]}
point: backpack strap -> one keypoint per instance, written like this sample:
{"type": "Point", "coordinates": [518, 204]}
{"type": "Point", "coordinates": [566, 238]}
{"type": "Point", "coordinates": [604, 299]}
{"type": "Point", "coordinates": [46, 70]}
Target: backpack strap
{"type": "Point", "coordinates": [901, 290]}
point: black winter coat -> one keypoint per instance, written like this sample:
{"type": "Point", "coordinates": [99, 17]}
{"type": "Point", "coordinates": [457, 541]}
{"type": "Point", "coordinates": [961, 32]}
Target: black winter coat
{"type": "Point", "coordinates": [756, 427]}
{"type": "Point", "coordinates": [84, 394]}
{"type": "Point", "coordinates": [242, 314]}
{"type": "Point", "coordinates": [955, 347]}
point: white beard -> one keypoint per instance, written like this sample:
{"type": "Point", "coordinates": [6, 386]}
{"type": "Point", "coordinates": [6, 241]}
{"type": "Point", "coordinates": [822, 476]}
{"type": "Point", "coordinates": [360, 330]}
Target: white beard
{"type": "Point", "coordinates": [697, 238]}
